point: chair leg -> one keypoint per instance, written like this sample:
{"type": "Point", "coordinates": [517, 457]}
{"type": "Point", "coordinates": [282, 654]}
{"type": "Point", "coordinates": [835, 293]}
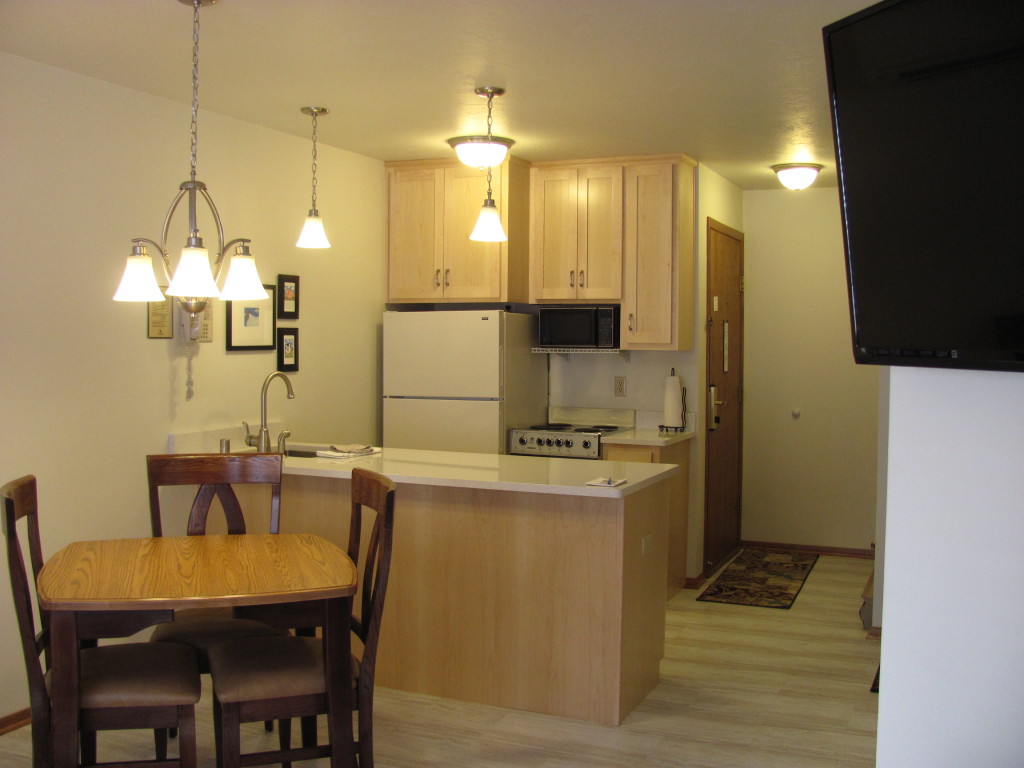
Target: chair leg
{"type": "Point", "coordinates": [186, 736]}
{"type": "Point", "coordinates": [308, 728]}
{"type": "Point", "coordinates": [88, 741]}
{"type": "Point", "coordinates": [160, 742]}
{"type": "Point", "coordinates": [227, 727]}
{"type": "Point", "coordinates": [284, 737]}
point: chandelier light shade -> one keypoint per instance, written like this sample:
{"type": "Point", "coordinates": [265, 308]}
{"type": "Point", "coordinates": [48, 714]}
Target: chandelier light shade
{"type": "Point", "coordinates": [313, 235]}
{"type": "Point", "coordinates": [194, 280]}
{"type": "Point", "coordinates": [138, 283]}
{"type": "Point", "coordinates": [488, 227]}
{"type": "Point", "coordinates": [797, 175]}
{"type": "Point", "coordinates": [483, 151]}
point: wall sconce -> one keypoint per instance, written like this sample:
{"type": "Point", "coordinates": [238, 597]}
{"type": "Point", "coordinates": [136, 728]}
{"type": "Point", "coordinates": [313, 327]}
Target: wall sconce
{"type": "Point", "coordinates": [313, 235]}
{"type": "Point", "coordinates": [797, 175]}
{"type": "Point", "coordinates": [194, 282]}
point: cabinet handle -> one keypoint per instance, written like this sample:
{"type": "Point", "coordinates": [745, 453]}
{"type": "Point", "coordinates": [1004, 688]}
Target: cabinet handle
{"type": "Point", "coordinates": [572, 278]}
{"type": "Point", "coordinates": [581, 278]}
{"type": "Point", "coordinates": [446, 283]}
{"type": "Point", "coordinates": [629, 322]}
{"type": "Point", "coordinates": [437, 278]}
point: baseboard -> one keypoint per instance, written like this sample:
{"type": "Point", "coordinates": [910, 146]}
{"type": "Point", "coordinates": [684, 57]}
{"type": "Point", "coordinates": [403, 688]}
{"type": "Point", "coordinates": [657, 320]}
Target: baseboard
{"type": "Point", "coordinates": [866, 554]}
{"type": "Point", "coordinates": [696, 582]}
{"type": "Point", "coordinates": [14, 721]}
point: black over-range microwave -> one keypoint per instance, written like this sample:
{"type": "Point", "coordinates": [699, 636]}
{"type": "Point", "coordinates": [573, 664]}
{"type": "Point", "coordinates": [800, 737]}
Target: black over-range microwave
{"type": "Point", "coordinates": [578, 327]}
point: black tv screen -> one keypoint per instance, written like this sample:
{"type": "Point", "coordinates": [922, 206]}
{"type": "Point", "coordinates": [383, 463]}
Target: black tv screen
{"type": "Point", "coordinates": [927, 102]}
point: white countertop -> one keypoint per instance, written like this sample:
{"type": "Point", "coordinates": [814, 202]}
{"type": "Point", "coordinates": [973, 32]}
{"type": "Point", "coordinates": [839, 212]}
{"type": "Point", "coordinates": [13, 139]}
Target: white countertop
{"type": "Point", "coordinates": [530, 474]}
{"type": "Point", "coordinates": [646, 437]}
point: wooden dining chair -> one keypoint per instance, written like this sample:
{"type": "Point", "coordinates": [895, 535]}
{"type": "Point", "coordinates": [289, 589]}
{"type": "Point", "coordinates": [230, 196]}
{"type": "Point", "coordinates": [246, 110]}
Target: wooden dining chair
{"type": "Point", "coordinates": [121, 686]}
{"type": "Point", "coordinates": [283, 677]}
{"type": "Point", "coordinates": [214, 474]}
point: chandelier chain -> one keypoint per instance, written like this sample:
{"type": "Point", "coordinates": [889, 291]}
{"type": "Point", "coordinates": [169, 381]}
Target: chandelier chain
{"type": "Point", "coordinates": [195, 86]}
{"type": "Point", "coordinates": [490, 120]}
{"type": "Point", "coordinates": [314, 158]}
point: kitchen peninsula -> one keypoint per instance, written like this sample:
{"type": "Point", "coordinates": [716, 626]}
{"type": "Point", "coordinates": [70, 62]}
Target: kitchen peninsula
{"type": "Point", "coordinates": [513, 582]}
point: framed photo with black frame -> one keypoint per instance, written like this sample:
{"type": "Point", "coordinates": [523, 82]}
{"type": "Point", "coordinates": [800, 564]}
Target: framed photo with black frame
{"type": "Point", "coordinates": [251, 324]}
{"type": "Point", "coordinates": [287, 297]}
{"type": "Point", "coordinates": [287, 349]}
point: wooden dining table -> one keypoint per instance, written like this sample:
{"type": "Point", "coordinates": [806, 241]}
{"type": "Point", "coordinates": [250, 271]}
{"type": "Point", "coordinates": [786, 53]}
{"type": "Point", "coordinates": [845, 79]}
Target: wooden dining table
{"type": "Point", "coordinates": [116, 587]}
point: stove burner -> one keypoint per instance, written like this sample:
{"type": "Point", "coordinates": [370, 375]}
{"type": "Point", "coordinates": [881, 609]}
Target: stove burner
{"type": "Point", "coordinates": [556, 427]}
{"type": "Point", "coordinates": [596, 428]}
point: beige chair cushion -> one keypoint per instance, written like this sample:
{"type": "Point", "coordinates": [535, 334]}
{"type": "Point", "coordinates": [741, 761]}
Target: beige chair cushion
{"type": "Point", "coordinates": [202, 628]}
{"type": "Point", "coordinates": [267, 667]}
{"type": "Point", "coordinates": [138, 675]}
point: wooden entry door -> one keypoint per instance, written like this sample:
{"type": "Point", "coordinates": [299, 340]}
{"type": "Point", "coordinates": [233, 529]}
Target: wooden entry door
{"type": "Point", "coordinates": [724, 434]}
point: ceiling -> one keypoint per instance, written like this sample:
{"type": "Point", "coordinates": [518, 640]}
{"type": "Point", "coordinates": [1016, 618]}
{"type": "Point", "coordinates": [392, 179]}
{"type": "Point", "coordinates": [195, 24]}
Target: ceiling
{"type": "Point", "coordinates": [736, 84]}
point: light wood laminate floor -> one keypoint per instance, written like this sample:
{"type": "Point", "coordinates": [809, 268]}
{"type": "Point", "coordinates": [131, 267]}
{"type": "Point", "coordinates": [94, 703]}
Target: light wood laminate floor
{"type": "Point", "coordinates": [741, 687]}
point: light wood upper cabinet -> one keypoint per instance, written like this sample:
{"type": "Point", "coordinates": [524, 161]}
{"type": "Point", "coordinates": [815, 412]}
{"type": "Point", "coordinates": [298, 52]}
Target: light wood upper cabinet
{"type": "Point", "coordinates": [432, 208]}
{"type": "Point", "coordinates": [576, 233]}
{"type": "Point", "coordinates": [658, 256]}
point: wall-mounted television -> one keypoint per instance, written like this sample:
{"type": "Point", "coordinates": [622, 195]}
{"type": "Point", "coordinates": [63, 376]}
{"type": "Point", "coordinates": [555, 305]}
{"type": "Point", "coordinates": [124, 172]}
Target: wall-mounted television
{"type": "Point", "coordinates": [927, 103]}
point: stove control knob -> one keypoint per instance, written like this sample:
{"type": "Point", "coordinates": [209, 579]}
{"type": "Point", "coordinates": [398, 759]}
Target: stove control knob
{"type": "Point", "coordinates": [549, 442]}
{"type": "Point", "coordinates": [522, 440]}
{"type": "Point", "coordinates": [558, 442]}
{"type": "Point", "coordinates": [586, 444]}
{"type": "Point", "coordinates": [568, 442]}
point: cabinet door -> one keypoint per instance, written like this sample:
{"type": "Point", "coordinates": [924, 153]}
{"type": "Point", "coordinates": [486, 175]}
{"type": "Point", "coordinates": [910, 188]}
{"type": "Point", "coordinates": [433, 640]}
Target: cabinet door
{"type": "Point", "coordinates": [640, 454]}
{"type": "Point", "coordinates": [415, 234]}
{"type": "Point", "coordinates": [471, 270]}
{"type": "Point", "coordinates": [599, 259]}
{"type": "Point", "coordinates": [650, 286]}
{"type": "Point", "coordinates": [553, 234]}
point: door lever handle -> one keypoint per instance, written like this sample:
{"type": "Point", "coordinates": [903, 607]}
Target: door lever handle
{"type": "Point", "coordinates": [713, 402]}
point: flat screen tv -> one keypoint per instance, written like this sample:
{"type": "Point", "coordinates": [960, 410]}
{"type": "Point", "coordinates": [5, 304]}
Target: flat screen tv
{"type": "Point", "coordinates": [927, 103]}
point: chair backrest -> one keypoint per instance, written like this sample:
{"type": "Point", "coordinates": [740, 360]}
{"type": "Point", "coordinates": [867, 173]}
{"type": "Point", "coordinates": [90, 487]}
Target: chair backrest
{"type": "Point", "coordinates": [214, 473]}
{"type": "Point", "coordinates": [20, 501]}
{"type": "Point", "coordinates": [377, 492]}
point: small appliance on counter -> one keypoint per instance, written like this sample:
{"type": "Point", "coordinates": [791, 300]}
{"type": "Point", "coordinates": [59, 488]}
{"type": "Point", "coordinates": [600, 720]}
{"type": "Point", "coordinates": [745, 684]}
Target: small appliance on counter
{"type": "Point", "coordinates": [578, 327]}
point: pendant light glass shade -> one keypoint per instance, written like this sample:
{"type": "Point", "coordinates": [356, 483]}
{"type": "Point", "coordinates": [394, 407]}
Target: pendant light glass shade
{"type": "Point", "coordinates": [193, 276]}
{"type": "Point", "coordinates": [138, 283]}
{"type": "Point", "coordinates": [488, 227]}
{"type": "Point", "coordinates": [797, 175]}
{"type": "Point", "coordinates": [481, 151]}
{"type": "Point", "coordinates": [313, 235]}
{"type": "Point", "coordinates": [243, 281]}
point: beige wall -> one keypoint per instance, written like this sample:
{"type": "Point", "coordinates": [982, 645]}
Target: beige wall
{"type": "Point", "coordinates": [86, 166]}
{"type": "Point", "coordinates": [807, 479]}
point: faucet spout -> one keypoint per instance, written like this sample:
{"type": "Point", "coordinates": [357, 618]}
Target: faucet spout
{"type": "Point", "coordinates": [264, 436]}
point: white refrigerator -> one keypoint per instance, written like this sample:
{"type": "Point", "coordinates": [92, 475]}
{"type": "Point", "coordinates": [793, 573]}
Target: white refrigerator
{"type": "Point", "coordinates": [459, 380]}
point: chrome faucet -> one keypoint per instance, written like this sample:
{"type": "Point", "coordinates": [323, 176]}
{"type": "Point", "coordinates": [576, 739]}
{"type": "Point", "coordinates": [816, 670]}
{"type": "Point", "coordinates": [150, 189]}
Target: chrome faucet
{"type": "Point", "coordinates": [262, 440]}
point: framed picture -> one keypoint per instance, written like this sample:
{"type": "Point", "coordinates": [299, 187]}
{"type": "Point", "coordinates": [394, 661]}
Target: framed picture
{"type": "Point", "coordinates": [287, 349]}
{"type": "Point", "coordinates": [287, 297]}
{"type": "Point", "coordinates": [251, 323]}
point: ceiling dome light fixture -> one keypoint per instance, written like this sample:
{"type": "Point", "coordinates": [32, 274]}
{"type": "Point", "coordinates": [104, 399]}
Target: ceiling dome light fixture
{"type": "Point", "coordinates": [797, 175]}
{"type": "Point", "coordinates": [483, 151]}
{"type": "Point", "coordinates": [313, 235]}
{"type": "Point", "coordinates": [194, 281]}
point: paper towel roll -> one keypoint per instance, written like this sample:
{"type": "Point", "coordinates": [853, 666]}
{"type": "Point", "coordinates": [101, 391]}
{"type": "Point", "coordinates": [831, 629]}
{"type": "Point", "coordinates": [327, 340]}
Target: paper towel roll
{"type": "Point", "coordinates": [673, 406]}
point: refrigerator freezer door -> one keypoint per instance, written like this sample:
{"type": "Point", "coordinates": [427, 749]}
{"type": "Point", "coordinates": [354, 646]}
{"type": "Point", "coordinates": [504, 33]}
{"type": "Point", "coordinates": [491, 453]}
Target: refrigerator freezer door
{"type": "Point", "coordinates": [473, 426]}
{"type": "Point", "coordinates": [443, 354]}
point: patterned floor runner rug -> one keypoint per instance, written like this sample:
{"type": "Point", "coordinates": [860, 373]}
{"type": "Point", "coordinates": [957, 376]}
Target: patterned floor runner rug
{"type": "Point", "coordinates": [761, 577]}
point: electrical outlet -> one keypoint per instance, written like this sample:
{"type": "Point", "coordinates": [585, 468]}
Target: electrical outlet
{"type": "Point", "coordinates": [620, 386]}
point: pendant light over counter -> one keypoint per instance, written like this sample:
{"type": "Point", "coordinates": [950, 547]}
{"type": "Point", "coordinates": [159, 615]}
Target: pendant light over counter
{"type": "Point", "coordinates": [485, 152]}
{"type": "Point", "coordinates": [193, 281]}
{"type": "Point", "coordinates": [313, 235]}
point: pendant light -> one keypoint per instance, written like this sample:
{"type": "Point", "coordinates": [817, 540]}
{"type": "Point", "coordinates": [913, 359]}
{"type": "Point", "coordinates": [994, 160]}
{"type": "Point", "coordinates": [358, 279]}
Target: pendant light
{"type": "Point", "coordinates": [797, 175]}
{"type": "Point", "coordinates": [194, 281]}
{"type": "Point", "coordinates": [313, 235]}
{"type": "Point", "coordinates": [482, 151]}
{"type": "Point", "coordinates": [485, 152]}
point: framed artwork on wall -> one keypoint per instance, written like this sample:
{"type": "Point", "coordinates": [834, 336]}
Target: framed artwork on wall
{"type": "Point", "coordinates": [287, 349]}
{"type": "Point", "coordinates": [287, 297]}
{"type": "Point", "coordinates": [251, 323]}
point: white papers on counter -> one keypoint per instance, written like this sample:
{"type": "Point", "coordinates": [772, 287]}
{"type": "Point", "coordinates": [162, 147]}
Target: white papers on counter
{"type": "Point", "coordinates": [607, 482]}
{"type": "Point", "coordinates": [347, 451]}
